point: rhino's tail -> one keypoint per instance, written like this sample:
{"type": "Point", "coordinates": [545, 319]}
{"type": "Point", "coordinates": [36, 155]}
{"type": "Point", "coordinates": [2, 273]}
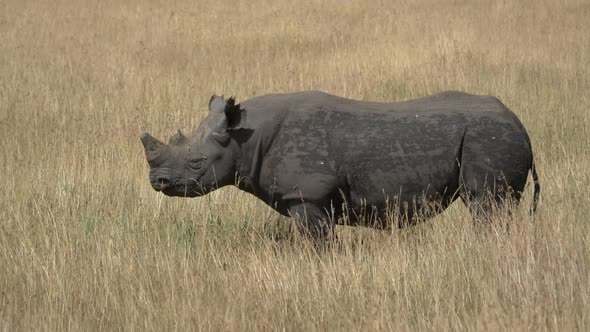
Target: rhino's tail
{"type": "Point", "coordinates": [536, 189]}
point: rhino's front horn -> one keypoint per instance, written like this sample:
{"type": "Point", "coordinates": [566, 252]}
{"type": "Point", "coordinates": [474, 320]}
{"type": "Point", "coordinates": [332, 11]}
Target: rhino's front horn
{"type": "Point", "coordinates": [152, 146]}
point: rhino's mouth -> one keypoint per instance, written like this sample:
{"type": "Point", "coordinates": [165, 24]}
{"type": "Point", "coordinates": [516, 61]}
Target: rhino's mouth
{"type": "Point", "coordinates": [181, 189]}
{"type": "Point", "coordinates": [180, 192]}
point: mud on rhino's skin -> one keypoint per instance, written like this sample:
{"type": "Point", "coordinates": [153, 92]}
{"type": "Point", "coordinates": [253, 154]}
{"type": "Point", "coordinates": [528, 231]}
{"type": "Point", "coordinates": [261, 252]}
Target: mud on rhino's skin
{"type": "Point", "coordinates": [317, 157]}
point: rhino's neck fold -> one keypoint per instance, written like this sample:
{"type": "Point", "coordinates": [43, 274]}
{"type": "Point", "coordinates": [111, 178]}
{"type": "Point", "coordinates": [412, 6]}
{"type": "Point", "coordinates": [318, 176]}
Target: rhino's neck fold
{"type": "Point", "coordinates": [253, 151]}
{"type": "Point", "coordinates": [249, 164]}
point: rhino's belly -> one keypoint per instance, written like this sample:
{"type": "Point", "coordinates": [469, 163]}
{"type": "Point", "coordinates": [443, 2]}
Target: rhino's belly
{"type": "Point", "coordinates": [405, 192]}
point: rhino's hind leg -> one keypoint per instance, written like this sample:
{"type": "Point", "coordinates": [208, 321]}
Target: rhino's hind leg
{"type": "Point", "coordinates": [486, 196]}
{"type": "Point", "coordinates": [493, 169]}
{"type": "Point", "coordinates": [311, 220]}
{"type": "Point", "coordinates": [484, 205]}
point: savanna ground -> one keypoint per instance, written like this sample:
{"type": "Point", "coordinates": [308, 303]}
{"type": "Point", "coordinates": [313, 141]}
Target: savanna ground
{"type": "Point", "coordinates": [85, 243]}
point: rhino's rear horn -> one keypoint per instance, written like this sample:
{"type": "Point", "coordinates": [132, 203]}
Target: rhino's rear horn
{"type": "Point", "coordinates": [152, 146]}
{"type": "Point", "coordinates": [177, 139]}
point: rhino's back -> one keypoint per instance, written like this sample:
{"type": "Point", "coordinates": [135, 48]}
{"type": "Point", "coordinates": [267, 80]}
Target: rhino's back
{"type": "Point", "coordinates": [313, 119]}
{"type": "Point", "coordinates": [310, 101]}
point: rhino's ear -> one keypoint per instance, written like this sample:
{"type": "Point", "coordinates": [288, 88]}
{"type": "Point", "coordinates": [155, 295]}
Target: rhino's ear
{"type": "Point", "coordinates": [235, 117]}
{"type": "Point", "coordinates": [216, 104]}
{"type": "Point", "coordinates": [231, 117]}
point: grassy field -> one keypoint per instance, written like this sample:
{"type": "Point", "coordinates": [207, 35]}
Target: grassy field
{"type": "Point", "coordinates": [85, 243]}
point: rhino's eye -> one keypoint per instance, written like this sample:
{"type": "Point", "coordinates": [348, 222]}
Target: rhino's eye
{"type": "Point", "coordinates": [197, 163]}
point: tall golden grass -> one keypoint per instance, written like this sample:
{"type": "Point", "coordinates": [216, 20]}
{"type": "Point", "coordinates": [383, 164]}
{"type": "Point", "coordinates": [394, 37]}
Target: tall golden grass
{"type": "Point", "coordinates": [86, 244]}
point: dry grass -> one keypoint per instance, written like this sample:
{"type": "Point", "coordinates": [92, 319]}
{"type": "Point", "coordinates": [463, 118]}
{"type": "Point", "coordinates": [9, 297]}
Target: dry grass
{"type": "Point", "coordinates": [85, 243]}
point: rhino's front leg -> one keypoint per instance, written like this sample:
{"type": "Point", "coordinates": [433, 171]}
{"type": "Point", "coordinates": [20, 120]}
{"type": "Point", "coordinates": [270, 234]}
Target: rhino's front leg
{"type": "Point", "coordinates": [311, 220]}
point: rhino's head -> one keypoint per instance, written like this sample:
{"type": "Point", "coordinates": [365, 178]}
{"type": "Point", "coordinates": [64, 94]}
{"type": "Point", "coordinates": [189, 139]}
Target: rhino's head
{"type": "Point", "coordinates": [190, 167]}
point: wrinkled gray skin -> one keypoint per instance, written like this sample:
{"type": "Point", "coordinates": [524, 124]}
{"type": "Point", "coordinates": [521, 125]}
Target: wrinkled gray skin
{"type": "Point", "coordinates": [319, 157]}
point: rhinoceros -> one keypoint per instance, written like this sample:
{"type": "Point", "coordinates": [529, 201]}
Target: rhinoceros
{"type": "Point", "coordinates": [325, 160]}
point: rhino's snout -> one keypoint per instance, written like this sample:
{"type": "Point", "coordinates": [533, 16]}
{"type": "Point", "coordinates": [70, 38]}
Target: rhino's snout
{"type": "Point", "coordinates": [162, 183]}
